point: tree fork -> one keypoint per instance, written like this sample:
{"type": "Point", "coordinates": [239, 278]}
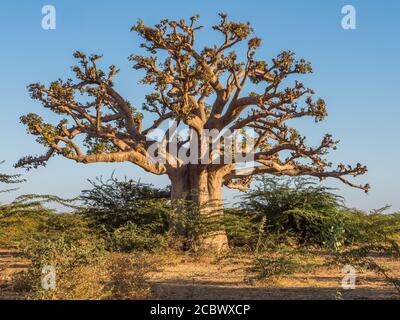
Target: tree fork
{"type": "Point", "coordinates": [199, 88]}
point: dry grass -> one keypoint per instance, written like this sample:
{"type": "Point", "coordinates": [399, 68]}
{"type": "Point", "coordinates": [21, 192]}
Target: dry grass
{"type": "Point", "coordinates": [129, 276]}
{"type": "Point", "coordinates": [116, 276]}
{"type": "Point", "coordinates": [185, 276]}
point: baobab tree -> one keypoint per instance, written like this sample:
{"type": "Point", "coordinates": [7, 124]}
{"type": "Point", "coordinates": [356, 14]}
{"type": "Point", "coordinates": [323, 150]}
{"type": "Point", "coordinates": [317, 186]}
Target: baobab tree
{"type": "Point", "coordinates": [201, 89]}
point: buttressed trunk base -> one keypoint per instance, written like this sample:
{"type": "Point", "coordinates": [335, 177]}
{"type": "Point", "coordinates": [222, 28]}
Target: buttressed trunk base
{"type": "Point", "coordinates": [201, 191]}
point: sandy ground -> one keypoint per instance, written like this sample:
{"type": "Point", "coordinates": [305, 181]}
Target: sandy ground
{"type": "Point", "coordinates": [188, 277]}
{"type": "Point", "coordinates": [10, 263]}
{"type": "Point", "coordinates": [191, 278]}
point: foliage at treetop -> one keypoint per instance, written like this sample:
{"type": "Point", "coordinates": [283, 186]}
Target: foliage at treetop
{"type": "Point", "coordinates": [201, 88]}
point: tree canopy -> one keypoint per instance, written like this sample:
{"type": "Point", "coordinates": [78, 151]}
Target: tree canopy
{"type": "Point", "coordinates": [201, 88]}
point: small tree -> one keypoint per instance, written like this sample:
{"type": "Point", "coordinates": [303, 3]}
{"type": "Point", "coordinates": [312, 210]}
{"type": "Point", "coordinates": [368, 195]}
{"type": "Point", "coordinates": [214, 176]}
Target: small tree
{"type": "Point", "coordinates": [200, 89]}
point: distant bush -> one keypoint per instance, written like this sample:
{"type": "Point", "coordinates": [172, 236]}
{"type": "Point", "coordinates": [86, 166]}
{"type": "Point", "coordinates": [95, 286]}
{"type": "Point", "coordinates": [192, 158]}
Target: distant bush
{"type": "Point", "coordinates": [27, 220]}
{"type": "Point", "coordinates": [20, 226]}
{"type": "Point", "coordinates": [16, 228]}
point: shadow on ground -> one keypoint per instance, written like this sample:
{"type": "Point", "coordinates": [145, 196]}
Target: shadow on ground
{"type": "Point", "coordinates": [178, 289]}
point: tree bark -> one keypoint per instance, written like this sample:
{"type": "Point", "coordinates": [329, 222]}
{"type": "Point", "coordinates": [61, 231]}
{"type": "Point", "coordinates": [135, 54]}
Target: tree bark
{"type": "Point", "coordinates": [197, 195]}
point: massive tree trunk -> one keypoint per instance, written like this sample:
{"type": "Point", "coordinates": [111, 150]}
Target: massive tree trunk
{"type": "Point", "coordinates": [197, 194]}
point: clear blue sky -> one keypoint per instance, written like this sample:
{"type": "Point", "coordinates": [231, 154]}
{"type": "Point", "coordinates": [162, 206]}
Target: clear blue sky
{"type": "Point", "coordinates": [355, 71]}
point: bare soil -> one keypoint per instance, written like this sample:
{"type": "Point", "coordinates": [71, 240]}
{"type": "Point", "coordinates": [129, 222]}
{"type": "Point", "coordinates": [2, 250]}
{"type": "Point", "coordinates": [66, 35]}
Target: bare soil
{"type": "Point", "coordinates": [204, 278]}
{"type": "Point", "coordinates": [10, 263]}
{"type": "Point", "coordinates": [182, 276]}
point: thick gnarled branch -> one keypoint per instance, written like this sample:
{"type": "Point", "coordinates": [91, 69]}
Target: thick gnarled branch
{"type": "Point", "coordinates": [202, 89]}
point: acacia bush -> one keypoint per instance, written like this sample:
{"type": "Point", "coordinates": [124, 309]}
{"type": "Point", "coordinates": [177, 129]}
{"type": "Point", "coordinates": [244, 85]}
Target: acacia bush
{"type": "Point", "coordinates": [131, 237]}
{"type": "Point", "coordinates": [131, 215]}
{"type": "Point", "coordinates": [307, 212]}
{"type": "Point", "coordinates": [112, 203]}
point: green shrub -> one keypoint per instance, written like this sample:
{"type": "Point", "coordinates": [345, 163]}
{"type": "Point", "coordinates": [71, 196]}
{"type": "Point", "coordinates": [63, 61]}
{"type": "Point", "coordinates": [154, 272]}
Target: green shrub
{"type": "Point", "coordinates": [272, 265]}
{"type": "Point", "coordinates": [19, 226]}
{"type": "Point", "coordinates": [131, 237]}
{"type": "Point", "coordinates": [27, 219]}
{"type": "Point", "coordinates": [310, 213]}
{"type": "Point", "coordinates": [114, 203]}
{"type": "Point", "coordinates": [241, 227]}
{"type": "Point", "coordinates": [131, 216]}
